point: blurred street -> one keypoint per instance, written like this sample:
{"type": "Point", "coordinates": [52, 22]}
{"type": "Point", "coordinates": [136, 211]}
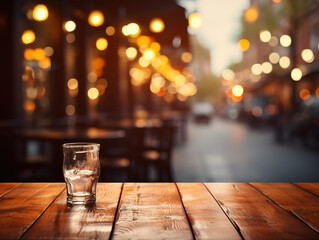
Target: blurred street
{"type": "Point", "coordinates": [229, 151]}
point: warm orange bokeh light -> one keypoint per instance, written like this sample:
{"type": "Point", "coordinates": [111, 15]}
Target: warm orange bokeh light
{"type": "Point", "coordinates": [69, 26]}
{"type": "Point", "coordinates": [132, 29]}
{"type": "Point", "coordinates": [317, 92]}
{"type": "Point", "coordinates": [101, 44]}
{"type": "Point", "coordinates": [186, 57]}
{"type": "Point", "coordinates": [276, 1]}
{"type": "Point", "coordinates": [96, 18]}
{"type": "Point", "coordinates": [29, 106]}
{"type": "Point", "coordinates": [40, 12]}
{"type": "Point", "coordinates": [39, 54]}
{"type": "Point", "coordinates": [244, 44]}
{"type": "Point", "coordinates": [157, 25]}
{"type": "Point", "coordinates": [70, 110]}
{"type": "Point", "coordinates": [131, 53]}
{"type": "Point", "coordinates": [45, 63]}
{"type": "Point", "coordinates": [195, 20]}
{"type": "Point", "coordinates": [93, 93]}
{"type": "Point", "coordinates": [143, 41]}
{"type": "Point", "coordinates": [155, 46]}
{"type": "Point", "coordinates": [237, 90]}
{"type": "Point", "coordinates": [251, 14]}
{"type": "Point", "coordinates": [73, 83]}
{"type": "Point", "coordinates": [28, 37]}
{"type": "Point", "coordinates": [110, 30]}
{"type": "Point", "coordinates": [304, 94]}
{"type": "Point", "coordinates": [28, 54]}
{"type": "Point", "coordinates": [98, 63]}
{"type": "Point", "coordinates": [149, 54]}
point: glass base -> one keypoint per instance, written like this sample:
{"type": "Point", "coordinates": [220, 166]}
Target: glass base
{"type": "Point", "coordinates": [81, 199]}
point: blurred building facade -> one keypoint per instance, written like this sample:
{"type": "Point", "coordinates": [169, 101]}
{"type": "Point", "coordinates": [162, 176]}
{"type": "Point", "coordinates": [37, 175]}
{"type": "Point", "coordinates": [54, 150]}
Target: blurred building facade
{"type": "Point", "coordinates": [279, 40]}
{"type": "Point", "coordinates": [86, 59]}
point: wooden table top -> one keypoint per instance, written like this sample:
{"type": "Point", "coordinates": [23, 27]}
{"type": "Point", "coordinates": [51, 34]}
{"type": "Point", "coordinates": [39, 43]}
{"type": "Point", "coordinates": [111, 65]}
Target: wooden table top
{"type": "Point", "coordinates": [162, 211]}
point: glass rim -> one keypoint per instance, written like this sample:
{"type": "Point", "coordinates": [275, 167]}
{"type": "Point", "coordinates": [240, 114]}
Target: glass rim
{"type": "Point", "coordinates": [80, 144]}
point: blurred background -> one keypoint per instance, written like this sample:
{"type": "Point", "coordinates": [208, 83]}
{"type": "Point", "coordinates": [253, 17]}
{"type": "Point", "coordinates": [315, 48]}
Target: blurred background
{"type": "Point", "coordinates": [173, 90]}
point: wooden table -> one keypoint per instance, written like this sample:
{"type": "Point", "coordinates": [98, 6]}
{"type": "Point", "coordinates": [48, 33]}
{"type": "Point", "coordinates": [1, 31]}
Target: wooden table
{"type": "Point", "coordinates": [162, 211]}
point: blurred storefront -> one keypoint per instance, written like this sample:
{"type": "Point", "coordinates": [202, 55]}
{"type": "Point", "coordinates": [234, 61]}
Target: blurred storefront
{"type": "Point", "coordinates": [70, 61]}
{"type": "Point", "coordinates": [279, 40]}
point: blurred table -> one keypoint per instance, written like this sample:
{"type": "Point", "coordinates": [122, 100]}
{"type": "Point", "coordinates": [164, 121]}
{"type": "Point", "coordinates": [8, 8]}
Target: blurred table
{"type": "Point", "coordinates": [51, 158]}
{"type": "Point", "coordinates": [70, 134]}
{"type": "Point", "coordinates": [162, 211]}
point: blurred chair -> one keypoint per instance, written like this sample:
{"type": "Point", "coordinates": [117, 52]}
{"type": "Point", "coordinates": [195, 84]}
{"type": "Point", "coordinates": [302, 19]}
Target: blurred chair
{"type": "Point", "coordinates": [119, 160]}
{"type": "Point", "coordinates": [115, 164]}
{"type": "Point", "coordinates": [33, 161]}
{"type": "Point", "coordinates": [157, 152]}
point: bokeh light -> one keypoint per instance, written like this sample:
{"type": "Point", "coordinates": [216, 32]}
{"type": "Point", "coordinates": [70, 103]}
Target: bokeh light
{"type": "Point", "coordinates": [39, 54]}
{"type": "Point", "coordinates": [101, 44]}
{"type": "Point", "coordinates": [70, 110]}
{"type": "Point", "coordinates": [73, 83]}
{"type": "Point", "coordinates": [70, 38]}
{"type": "Point", "coordinates": [284, 62]}
{"type": "Point", "coordinates": [132, 29]}
{"type": "Point", "coordinates": [149, 54]}
{"type": "Point", "coordinates": [273, 42]}
{"type": "Point", "coordinates": [186, 57]}
{"type": "Point", "coordinates": [195, 20]}
{"type": "Point", "coordinates": [28, 37]}
{"type": "Point", "coordinates": [237, 90]}
{"type": "Point", "coordinates": [49, 51]}
{"type": "Point", "coordinates": [96, 18]}
{"type": "Point", "coordinates": [69, 26]}
{"type": "Point", "coordinates": [265, 36]}
{"type": "Point", "coordinates": [157, 25]}
{"type": "Point", "coordinates": [131, 53]}
{"type": "Point", "coordinates": [29, 54]}
{"type": "Point", "coordinates": [304, 94]}
{"type": "Point", "coordinates": [40, 12]}
{"type": "Point", "coordinates": [244, 44]}
{"type": "Point", "coordinates": [274, 57]}
{"type": "Point", "coordinates": [110, 30]}
{"type": "Point", "coordinates": [228, 74]}
{"type": "Point", "coordinates": [256, 69]}
{"type": "Point", "coordinates": [307, 55]}
{"type": "Point", "coordinates": [285, 40]}
{"type": "Point", "coordinates": [251, 14]}
{"type": "Point", "coordinates": [93, 93]}
{"type": "Point", "coordinates": [155, 46]}
{"type": "Point", "coordinates": [143, 62]}
{"type": "Point", "coordinates": [266, 67]}
{"type": "Point", "coordinates": [296, 74]}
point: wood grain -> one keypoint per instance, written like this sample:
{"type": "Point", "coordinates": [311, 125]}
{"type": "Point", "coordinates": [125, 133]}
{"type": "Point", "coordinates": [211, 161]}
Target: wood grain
{"type": "Point", "coordinates": [207, 218]}
{"type": "Point", "coordinates": [79, 222]}
{"type": "Point", "coordinates": [20, 207]}
{"type": "Point", "coordinates": [310, 187]}
{"type": "Point", "coordinates": [5, 187]}
{"type": "Point", "coordinates": [256, 216]}
{"type": "Point", "coordinates": [302, 204]}
{"type": "Point", "coordinates": [151, 211]}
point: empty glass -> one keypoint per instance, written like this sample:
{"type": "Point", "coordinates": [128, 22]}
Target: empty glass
{"type": "Point", "coordinates": [81, 170]}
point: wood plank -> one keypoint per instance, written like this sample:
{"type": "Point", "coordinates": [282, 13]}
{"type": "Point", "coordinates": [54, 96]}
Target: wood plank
{"type": "Point", "coordinates": [151, 211]}
{"type": "Point", "coordinates": [302, 204]}
{"type": "Point", "coordinates": [79, 222]}
{"type": "Point", "coordinates": [207, 218]}
{"type": "Point", "coordinates": [20, 207]}
{"type": "Point", "coordinates": [310, 187]}
{"type": "Point", "coordinates": [256, 216]}
{"type": "Point", "coordinates": [5, 187]}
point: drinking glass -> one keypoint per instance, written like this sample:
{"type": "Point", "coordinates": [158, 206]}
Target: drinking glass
{"type": "Point", "coordinates": [81, 170]}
